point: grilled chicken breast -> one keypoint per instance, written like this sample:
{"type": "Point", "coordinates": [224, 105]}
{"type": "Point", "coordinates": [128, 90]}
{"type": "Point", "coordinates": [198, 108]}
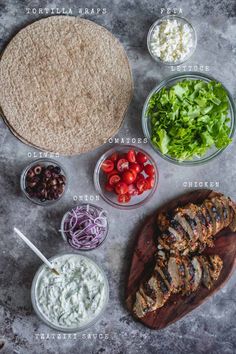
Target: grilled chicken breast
{"type": "Point", "coordinates": [211, 267]}
{"type": "Point", "coordinates": [176, 269]}
{"type": "Point", "coordinates": [179, 266]}
{"type": "Point", "coordinates": [209, 225]}
{"type": "Point", "coordinates": [215, 266]}
{"type": "Point", "coordinates": [175, 274]}
{"type": "Point", "coordinates": [189, 275]}
{"type": "Point", "coordinates": [197, 273]}
{"type": "Point", "coordinates": [192, 228]}
{"type": "Point", "coordinates": [152, 294]}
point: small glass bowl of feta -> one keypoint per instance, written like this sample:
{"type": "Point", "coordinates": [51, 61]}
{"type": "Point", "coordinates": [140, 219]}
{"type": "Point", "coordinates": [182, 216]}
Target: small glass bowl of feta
{"type": "Point", "coordinates": [75, 299]}
{"type": "Point", "coordinates": [171, 40]}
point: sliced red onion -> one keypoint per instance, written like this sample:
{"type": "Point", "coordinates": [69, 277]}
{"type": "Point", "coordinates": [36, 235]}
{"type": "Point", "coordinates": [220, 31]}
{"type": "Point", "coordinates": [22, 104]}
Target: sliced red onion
{"type": "Point", "coordinates": [85, 226]}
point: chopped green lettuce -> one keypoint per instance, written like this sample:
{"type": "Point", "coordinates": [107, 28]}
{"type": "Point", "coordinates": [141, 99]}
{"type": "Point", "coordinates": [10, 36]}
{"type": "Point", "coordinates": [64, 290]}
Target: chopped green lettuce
{"type": "Point", "coordinates": [189, 118]}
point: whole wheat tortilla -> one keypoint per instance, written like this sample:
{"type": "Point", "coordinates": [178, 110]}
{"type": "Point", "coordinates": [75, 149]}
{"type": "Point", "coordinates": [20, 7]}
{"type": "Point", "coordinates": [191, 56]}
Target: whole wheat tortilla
{"type": "Point", "coordinates": [65, 85]}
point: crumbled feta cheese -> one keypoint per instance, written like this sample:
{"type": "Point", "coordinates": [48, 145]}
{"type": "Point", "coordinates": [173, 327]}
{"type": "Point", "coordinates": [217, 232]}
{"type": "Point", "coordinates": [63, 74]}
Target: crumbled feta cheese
{"type": "Point", "coordinates": [171, 40]}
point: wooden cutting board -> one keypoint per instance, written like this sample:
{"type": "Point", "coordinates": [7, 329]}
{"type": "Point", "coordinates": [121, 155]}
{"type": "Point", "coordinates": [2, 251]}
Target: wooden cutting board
{"type": "Point", "coordinates": [177, 306]}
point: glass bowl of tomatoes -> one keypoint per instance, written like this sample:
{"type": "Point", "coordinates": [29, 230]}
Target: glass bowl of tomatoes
{"type": "Point", "coordinates": [126, 176]}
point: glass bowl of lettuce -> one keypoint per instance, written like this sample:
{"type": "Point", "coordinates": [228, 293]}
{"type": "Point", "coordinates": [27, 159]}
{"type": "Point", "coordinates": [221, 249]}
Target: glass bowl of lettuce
{"type": "Point", "coordinates": [189, 118]}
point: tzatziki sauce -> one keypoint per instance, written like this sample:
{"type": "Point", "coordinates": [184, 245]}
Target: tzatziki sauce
{"type": "Point", "coordinates": [75, 297]}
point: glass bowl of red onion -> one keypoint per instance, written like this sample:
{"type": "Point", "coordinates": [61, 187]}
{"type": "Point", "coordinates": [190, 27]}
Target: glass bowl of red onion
{"type": "Point", "coordinates": [84, 227]}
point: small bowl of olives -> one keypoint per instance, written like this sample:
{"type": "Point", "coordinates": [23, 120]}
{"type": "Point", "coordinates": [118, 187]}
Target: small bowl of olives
{"type": "Point", "coordinates": [43, 181]}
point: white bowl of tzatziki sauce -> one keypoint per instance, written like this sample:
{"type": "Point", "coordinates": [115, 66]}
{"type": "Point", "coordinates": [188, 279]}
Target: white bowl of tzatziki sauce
{"type": "Point", "coordinates": [73, 300]}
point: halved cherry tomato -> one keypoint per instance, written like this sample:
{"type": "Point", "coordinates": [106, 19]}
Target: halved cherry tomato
{"type": "Point", "coordinates": [122, 165]}
{"type": "Point", "coordinates": [114, 180]}
{"type": "Point", "coordinates": [132, 189]}
{"type": "Point", "coordinates": [141, 184]}
{"type": "Point", "coordinates": [128, 177]}
{"type": "Point", "coordinates": [108, 187]}
{"type": "Point", "coordinates": [124, 198]}
{"type": "Point", "coordinates": [107, 166]}
{"type": "Point", "coordinates": [141, 158]}
{"type": "Point", "coordinates": [135, 167]}
{"type": "Point", "coordinates": [141, 192]}
{"type": "Point", "coordinates": [131, 156]}
{"type": "Point", "coordinates": [114, 156]}
{"type": "Point", "coordinates": [112, 173]}
{"type": "Point", "coordinates": [121, 188]}
{"type": "Point", "coordinates": [141, 166]}
{"type": "Point", "coordinates": [140, 177]}
{"type": "Point", "coordinates": [150, 181]}
{"type": "Point", "coordinates": [149, 169]}
{"type": "Point", "coordinates": [134, 173]}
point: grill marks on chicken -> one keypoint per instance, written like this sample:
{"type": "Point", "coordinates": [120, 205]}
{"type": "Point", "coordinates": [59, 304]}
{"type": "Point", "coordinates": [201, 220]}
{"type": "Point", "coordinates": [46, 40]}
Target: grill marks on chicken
{"type": "Point", "coordinates": [180, 267]}
{"type": "Point", "coordinates": [175, 274]}
{"type": "Point", "coordinates": [153, 292]}
{"type": "Point", "coordinates": [192, 228]}
{"type": "Point", "coordinates": [197, 273]}
{"type": "Point", "coordinates": [212, 266]}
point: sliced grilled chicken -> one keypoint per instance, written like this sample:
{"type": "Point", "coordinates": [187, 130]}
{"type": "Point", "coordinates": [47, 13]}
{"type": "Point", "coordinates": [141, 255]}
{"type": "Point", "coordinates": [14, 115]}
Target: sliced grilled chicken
{"type": "Point", "coordinates": [189, 275]}
{"type": "Point", "coordinates": [227, 211]}
{"type": "Point", "coordinates": [189, 228]}
{"type": "Point", "coordinates": [184, 231]}
{"type": "Point", "coordinates": [162, 268]}
{"type": "Point", "coordinates": [187, 224]}
{"type": "Point", "coordinates": [174, 237]}
{"type": "Point", "coordinates": [140, 306]}
{"type": "Point", "coordinates": [203, 224]}
{"type": "Point", "coordinates": [176, 270]}
{"type": "Point", "coordinates": [216, 264]}
{"type": "Point", "coordinates": [197, 273]}
{"type": "Point", "coordinates": [166, 239]}
{"type": "Point", "coordinates": [219, 211]}
{"type": "Point", "coordinates": [206, 276]}
{"type": "Point", "coordinates": [182, 275]}
{"type": "Point", "coordinates": [148, 298]}
{"type": "Point", "coordinates": [181, 235]}
{"type": "Point", "coordinates": [192, 228]}
{"type": "Point", "coordinates": [209, 223]}
{"type": "Point", "coordinates": [149, 294]}
{"type": "Point", "coordinates": [155, 292]}
{"type": "Point", "coordinates": [152, 294]}
{"type": "Point", "coordinates": [215, 216]}
{"type": "Point", "coordinates": [191, 211]}
{"type": "Point", "coordinates": [197, 222]}
{"type": "Point", "coordinates": [211, 266]}
{"type": "Point", "coordinates": [233, 215]}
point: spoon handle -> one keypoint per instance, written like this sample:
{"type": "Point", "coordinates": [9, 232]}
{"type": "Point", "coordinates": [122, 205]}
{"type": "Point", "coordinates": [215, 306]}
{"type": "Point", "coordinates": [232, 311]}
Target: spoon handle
{"type": "Point", "coordinates": [34, 248]}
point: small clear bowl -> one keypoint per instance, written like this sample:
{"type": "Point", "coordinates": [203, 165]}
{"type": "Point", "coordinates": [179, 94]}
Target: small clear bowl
{"type": "Point", "coordinates": [167, 83]}
{"type": "Point", "coordinates": [65, 238]}
{"type": "Point", "coordinates": [181, 20]}
{"type": "Point", "coordinates": [45, 319]}
{"type": "Point", "coordinates": [110, 197]}
{"type": "Point", "coordinates": [45, 162]}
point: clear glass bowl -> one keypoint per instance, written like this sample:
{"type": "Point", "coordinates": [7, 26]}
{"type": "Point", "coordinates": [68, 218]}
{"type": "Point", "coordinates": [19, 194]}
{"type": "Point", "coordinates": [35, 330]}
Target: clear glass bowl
{"type": "Point", "coordinates": [181, 20]}
{"type": "Point", "coordinates": [45, 162]}
{"type": "Point", "coordinates": [45, 319]}
{"type": "Point", "coordinates": [65, 238]}
{"type": "Point", "coordinates": [111, 197]}
{"type": "Point", "coordinates": [146, 121]}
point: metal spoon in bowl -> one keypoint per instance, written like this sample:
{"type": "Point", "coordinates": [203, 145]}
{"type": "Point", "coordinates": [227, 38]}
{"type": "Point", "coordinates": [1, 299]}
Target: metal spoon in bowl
{"type": "Point", "coordinates": [36, 250]}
